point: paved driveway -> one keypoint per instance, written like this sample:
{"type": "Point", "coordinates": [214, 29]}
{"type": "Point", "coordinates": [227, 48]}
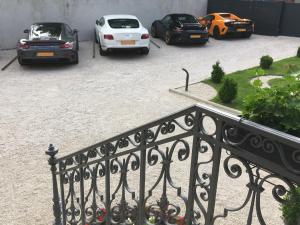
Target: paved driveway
{"type": "Point", "coordinates": [75, 106]}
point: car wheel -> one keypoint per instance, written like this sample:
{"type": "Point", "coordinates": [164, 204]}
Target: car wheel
{"type": "Point", "coordinates": [21, 61]}
{"type": "Point", "coordinates": [145, 51]}
{"type": "Point", "coordinates": [102, 52]}
{"type": "Point", "coordinates": [153, 31]}
{"type": "Point", "coordinates": [216, 33]}
{"type": "Point", "coordinates": [96, 39]}
{"type": "Point", "coordinates": [77, 43]}
{"type": "Point", "coordinates": [168, 38]}
{"type": "Point", "coordinates": [76, 59]}
{"type": "Point", "coordinates": [247, 35]}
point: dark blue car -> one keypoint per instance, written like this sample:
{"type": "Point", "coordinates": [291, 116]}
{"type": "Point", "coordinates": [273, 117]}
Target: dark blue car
{"type": "Point", "coordinates": [180, 28]}
{"type": "Point", "coordinates": [48, 42]}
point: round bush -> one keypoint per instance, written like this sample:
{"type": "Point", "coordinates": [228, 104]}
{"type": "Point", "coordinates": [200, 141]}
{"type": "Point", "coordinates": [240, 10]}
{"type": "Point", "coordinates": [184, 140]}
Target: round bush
{"type": "Point", "coordinates": [217, 74]}
{"type": "Point", "coordinates": [266, 62]}
{"type": "Point", "coordinates": [228, 90]}
{"type": "Point", "coordinates": [298, 52]}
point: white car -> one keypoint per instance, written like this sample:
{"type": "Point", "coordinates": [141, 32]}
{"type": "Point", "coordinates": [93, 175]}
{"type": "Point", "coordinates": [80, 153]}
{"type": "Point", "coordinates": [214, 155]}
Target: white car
{"type": "Point", "coordinates": [121, 32]}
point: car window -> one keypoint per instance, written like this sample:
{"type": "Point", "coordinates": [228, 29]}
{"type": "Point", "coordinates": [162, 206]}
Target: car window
{"type": "Point", "coordinates": [101, 21]}
{"type": "Point", "coordinates": [167, 20]}
{"type": "Point", "coordinates": [49, 30]}
{"type": "Point", "coordinates": [225, 15]}
{"type": "Point", "coordinates": [209, 17]}
{"type": "Point", "coordinates": [186, 19]}
{"type": "Point", "coordinates": [68, 29]}
{"type": "Point", "coordinates": [123, 23]}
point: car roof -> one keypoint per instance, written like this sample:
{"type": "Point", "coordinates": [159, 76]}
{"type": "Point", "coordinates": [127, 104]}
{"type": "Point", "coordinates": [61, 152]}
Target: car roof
{"type": "Point", "coordinates": [179, 14]}
{"type": "Point", "coordinates": [119, 16]}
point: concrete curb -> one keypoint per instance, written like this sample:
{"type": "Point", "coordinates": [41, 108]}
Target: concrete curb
{"type": "Point", "coordinates": [219, 106]}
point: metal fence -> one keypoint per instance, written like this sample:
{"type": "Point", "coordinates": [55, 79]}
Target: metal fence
{"type": "Point", "coordinates": [198, 137]}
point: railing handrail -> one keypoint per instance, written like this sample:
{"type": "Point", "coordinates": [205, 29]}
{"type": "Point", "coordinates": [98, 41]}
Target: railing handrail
{"type": "Point", "coordinates": [270, 132]}
{"type": "Point", "coordinates": [129, 132]}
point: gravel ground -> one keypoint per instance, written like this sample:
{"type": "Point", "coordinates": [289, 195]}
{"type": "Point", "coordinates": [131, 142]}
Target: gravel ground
{"type": "Point", "coordinates": [76, 106]}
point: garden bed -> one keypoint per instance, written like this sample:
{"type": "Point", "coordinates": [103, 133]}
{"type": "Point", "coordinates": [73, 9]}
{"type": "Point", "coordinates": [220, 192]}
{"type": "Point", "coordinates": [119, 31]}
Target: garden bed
{"type": "Point", "coordinates": [288, 66]}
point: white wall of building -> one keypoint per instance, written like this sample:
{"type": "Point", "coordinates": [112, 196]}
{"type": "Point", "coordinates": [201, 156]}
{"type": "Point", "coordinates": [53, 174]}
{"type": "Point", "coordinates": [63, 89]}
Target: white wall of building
{"type": "Point", "coordinates": [17, 15]}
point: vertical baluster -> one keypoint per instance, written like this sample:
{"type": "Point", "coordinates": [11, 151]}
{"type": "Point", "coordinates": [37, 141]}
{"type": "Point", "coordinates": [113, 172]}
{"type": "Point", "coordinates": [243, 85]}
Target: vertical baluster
{"type": "Point", "coordinates": [107, 186]}
{"type": "Point", "coordinates": [215, 174]}
{"type": "Point", "coordinates": [141, 212]}
{"type": "Point", "coordinates": [82, 202]}
{"type": "Point", "coordinates": [193, 169]}
{"type": "Point", "coordinates": [63, 205]}
{"type": "Point", "coordinates": [56, 204]}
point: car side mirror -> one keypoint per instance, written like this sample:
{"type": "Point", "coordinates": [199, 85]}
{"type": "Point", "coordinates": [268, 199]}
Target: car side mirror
{"type": "Point", "coordinates": [75, 31]}
{"type": "Point", "coordinates": [26, 31]}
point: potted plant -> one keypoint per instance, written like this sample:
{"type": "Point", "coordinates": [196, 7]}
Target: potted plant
{"type": "Point", "coordinates": [291, 208]}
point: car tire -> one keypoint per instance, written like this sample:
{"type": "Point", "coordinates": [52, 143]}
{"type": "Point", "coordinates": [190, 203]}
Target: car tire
{"type": "Point", "coordinates": [102, 52]}
{"type": "Point", "coordinates": [76, 59]}
{"type": "Point", "coordinates": [216, 33]}
{"type": "Point", "coordinates": [153, 31]}
{"type": "Point", "coordinates": [145, 51]}
{"type": "Point", "coordinates": [168, 38]}
{"type": "Point", "coordinates": [247, 35]}
{"type": "Point", "coordinates": [77, 43]}
{"type": "Point", "coordinates": [21, 61]}
{"type": "Point", "coordinates": [96, 39]}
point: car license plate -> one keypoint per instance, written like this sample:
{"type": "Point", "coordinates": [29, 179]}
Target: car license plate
{"type": "Point", "coordinates": [195, 36]}
{"type": "Point", "coordinates": [241, 30]}
{"type": "Point", "coordinates": [128, 42]}
{"type": "Point", "coordinates": [45, 54]}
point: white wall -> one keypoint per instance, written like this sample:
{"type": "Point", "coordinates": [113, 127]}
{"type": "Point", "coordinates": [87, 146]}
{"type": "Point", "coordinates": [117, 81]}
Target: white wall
{"type": "Point", "coordinates": [17, 15]}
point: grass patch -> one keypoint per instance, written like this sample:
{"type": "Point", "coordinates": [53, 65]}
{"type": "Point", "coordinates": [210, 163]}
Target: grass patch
{"type": "Point", "coordinates": [283, 67]}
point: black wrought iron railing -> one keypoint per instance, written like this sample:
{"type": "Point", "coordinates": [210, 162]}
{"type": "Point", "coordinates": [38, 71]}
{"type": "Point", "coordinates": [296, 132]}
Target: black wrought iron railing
{"type": "Point", "coordinates": [169, 171]}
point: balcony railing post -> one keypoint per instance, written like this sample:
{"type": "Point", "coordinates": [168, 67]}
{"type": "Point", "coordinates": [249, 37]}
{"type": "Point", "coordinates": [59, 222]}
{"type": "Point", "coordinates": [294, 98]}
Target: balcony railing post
{"type": "Point", "coordinates": [193, 170]}
{"type": "Point", "coordinates": [107, 185]}
{"type": "Point", "coordinates": [56, 203]}
{"type": "Point", "coordinates": [141, 212]}
{"type": "Point", "coordinates": [215, 175]}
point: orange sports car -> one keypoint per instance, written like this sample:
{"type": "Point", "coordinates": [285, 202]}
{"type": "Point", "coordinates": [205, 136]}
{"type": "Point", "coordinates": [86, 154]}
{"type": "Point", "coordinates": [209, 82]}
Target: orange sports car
{"type": "Point", "coordinates": [227, 24]}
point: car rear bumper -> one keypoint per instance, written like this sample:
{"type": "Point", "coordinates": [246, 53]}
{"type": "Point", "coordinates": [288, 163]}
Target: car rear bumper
{"type": "Point", "coordinates": [116, 44]}
{"type": "Point", "coordinates": [190, 37]}
{"type": "Point", "coordinates": [240, 30]}
{"type": "Point", "coordinates": [53, 55]}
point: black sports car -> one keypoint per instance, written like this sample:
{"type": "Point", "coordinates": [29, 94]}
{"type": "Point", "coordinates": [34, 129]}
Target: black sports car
{"type": "Point", "coordinates": [180, 28]}
{"type": "Point", "coordinates": [48, 42]}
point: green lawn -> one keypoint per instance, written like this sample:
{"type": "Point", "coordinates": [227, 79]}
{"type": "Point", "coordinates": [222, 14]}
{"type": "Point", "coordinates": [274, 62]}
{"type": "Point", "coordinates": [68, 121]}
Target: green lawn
{"type": "Point", "coordinates": [283, 67]}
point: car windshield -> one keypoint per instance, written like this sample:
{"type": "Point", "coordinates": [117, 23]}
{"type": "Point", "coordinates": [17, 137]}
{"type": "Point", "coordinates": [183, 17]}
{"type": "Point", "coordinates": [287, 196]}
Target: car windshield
{"type": "Point", "coordinates": [186, 19]}
{"type": "Point", "coordinates": [123, 23]}
{"type": "Point", "coordinates": [49, 30]}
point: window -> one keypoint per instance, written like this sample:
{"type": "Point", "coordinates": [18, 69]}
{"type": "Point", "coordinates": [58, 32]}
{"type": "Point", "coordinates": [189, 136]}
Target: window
{"type": "Point", "coordinates": [186, 19]}
{"type": "Point", "coordinates": [167, 21]}
{"type": "Point", "coordinates": [123, 23]}
{"type": "Point", "coordinates": [102, 21]}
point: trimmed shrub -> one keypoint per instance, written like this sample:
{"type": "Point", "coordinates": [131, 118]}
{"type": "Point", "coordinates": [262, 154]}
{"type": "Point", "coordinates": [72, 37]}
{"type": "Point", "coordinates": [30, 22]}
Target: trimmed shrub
{"type": "Point", "coordinates": [217, 74]}
{"type": "Point", "coordinates": [298, 52]}
{"type": "Point", "coordinates": [228, 90]}
{"type": "Point", "coordinates": [291, 208]}
{"type": "Point", "coordinates": [266, 62]}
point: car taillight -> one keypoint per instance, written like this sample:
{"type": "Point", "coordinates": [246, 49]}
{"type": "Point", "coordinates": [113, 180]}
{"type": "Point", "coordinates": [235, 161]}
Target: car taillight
{"type": "Point", "coordinates": [145, 36]}
{"type": "Point", "coordinates": [67, 45]}
{"type": "Point", "coordinates": [108, 37]}
{"type": "Point", "coordinates": [24, 46]}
